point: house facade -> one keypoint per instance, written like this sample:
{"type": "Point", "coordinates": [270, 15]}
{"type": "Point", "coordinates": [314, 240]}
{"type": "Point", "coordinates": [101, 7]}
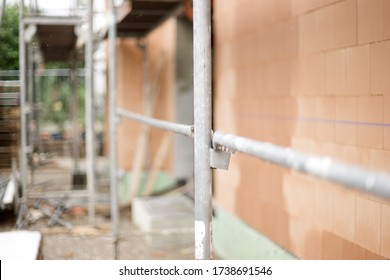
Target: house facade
{"type": "Point", "coordinates": [307, 74]}
{"type": "Point", "coordinates": [311, 75]}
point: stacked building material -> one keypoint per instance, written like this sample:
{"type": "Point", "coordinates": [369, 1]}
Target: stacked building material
{"type": "Point", "coordinates": [9, 127]}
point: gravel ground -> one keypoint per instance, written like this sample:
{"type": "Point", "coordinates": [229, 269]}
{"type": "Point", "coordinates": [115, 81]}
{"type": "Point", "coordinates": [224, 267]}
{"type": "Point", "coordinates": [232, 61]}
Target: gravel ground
{"type": "Point", "coordinates": [84, 242]}
{"type": "Point", "coordinates": [67, 247]}
{"type": "Point", "coordinates": [96, 243]}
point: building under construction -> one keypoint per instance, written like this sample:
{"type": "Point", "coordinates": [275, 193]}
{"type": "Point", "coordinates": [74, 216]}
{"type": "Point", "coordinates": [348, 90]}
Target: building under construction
{"type": "Point", "coordinates": [272, 114]}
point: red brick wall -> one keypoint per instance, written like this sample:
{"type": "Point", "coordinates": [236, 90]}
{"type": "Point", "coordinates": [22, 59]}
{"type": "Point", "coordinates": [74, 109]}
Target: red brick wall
{"type": "Point", "coordinates": [313, 75]}
{"type": "Point", "coordinates": [161, 42]}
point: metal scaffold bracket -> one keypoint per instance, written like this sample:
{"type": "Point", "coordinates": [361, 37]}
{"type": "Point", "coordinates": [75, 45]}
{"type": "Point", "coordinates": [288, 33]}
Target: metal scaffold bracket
{"type": "Point", "coordinates": [118, 119]}
{"type": "Point", "coordinates": [219, 159]}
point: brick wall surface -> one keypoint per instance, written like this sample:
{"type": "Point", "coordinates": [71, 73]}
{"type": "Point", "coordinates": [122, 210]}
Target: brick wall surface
{"type": "Point", "coordinates": [161, 43]}
{"type": "Point", "coordinates": [312, 75]}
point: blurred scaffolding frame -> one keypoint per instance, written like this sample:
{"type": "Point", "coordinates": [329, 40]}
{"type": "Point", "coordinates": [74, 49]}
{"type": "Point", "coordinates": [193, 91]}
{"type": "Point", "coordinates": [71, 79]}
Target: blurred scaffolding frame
{"type": "Point", "coordinates": [37, 38]}
{"type": "Point", "coordinates": [212, 149]}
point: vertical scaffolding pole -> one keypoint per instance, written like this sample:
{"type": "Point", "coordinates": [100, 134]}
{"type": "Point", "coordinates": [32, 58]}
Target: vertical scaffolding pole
{"type": "Point", "coordinates": [23, 111]}
{"type": "Point", "coordinates": [37, 112]}
{"type": "Point", "coordinates": [113, 129]}
{"type": "Point", "coordinates": [34, 100]}
{"type": "Point", "coordinates": [89, 117]}
{"type": "Point", "coordinates": [75, 106]}
{"type": "Point", "coordinates": [202, 118]}
{"type": "Point", "coordinates": [30, 71]}
{"type": "Point", "coordinates": [30, 101]}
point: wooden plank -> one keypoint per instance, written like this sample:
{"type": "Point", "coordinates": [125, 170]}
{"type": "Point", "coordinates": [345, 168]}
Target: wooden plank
{"type": "Point", "coordinates": [9, 111]}
{"type": "Point", "coordinates": [9, 136]}
{"type": "Point", "coordinates": [12, 149]}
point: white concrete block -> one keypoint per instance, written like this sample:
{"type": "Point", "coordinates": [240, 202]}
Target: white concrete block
{"type": "Point", "coordinates": [160, 215]}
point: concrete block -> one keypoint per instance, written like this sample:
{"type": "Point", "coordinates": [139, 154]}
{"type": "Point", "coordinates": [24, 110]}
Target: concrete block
{"type": "Point", "coordinates": [167, 213]}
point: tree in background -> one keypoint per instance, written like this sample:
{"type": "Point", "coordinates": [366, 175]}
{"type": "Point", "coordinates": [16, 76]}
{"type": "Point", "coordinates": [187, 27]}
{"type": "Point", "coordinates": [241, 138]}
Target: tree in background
{"type": "Point", "coordinates": [9, 38]}
{"type": "Point", "coordinates": [55, 92]}
{"type": "Point", "coordinates": [56, 98]}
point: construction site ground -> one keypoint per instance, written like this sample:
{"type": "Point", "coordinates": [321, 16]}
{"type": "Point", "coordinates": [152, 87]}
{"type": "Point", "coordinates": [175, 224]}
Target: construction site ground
{"type": "Point", "coordinates": [84, 241]}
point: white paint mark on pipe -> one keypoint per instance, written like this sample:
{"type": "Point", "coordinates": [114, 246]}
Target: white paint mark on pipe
{"type": "Point", "coordinates": [200, 233]}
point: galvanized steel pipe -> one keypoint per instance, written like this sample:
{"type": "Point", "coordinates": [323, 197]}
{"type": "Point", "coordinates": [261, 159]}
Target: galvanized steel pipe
{"type": "Point", "coordinates": [112, 122]}
{"type": "Point", "coordinates": [325, 168]}
{"type": "Point", "coordinates": [10, 83]}
{"type": "Point", "coordinates": [74, 113]}
{"type": "Point", "coordinates": [23, 105]}
{"type": "Point", "coordinates": [89, 116]}
{"type": "Point", "coordinates": [182, 129]}
{"type": "Point", "coordinates": [202, 121]}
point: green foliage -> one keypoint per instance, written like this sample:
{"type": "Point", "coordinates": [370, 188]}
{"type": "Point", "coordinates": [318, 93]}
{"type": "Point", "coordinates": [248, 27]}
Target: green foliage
{"type": "Point", "coordinates": [9, 39]}
{"type": "Point", "coordinates": [55, 92]}
{"type": "Point", "coordinates": [57, 98]}
{"type": "Point", "coordinates": [56, 103]}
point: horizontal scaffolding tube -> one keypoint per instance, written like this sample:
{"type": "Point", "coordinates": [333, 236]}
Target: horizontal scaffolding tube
{"type": "Point", "coordinates": [62, 72]}
{"type": "Point", "coordinates": [52, 20]}
{"type": "Point", "coordinates": [66, 195]}
{"type": "Point", "coordinates": [8, 95]}
{"type": "Point", "coordinates": [328, 169]}
{"type": "Point", "coordinates": [168, 231]}
{"type": "Point", "coordinates": [57, 194]}
{"type": "Point", "coordinates": [9, 83]}
{"type": "Point", "coordinates": [187, 130]}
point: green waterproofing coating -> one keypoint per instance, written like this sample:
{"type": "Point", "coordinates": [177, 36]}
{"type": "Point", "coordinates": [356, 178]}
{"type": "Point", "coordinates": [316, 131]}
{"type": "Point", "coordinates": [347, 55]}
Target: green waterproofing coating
{"type": "Point", "coordinates": [325, 168]}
